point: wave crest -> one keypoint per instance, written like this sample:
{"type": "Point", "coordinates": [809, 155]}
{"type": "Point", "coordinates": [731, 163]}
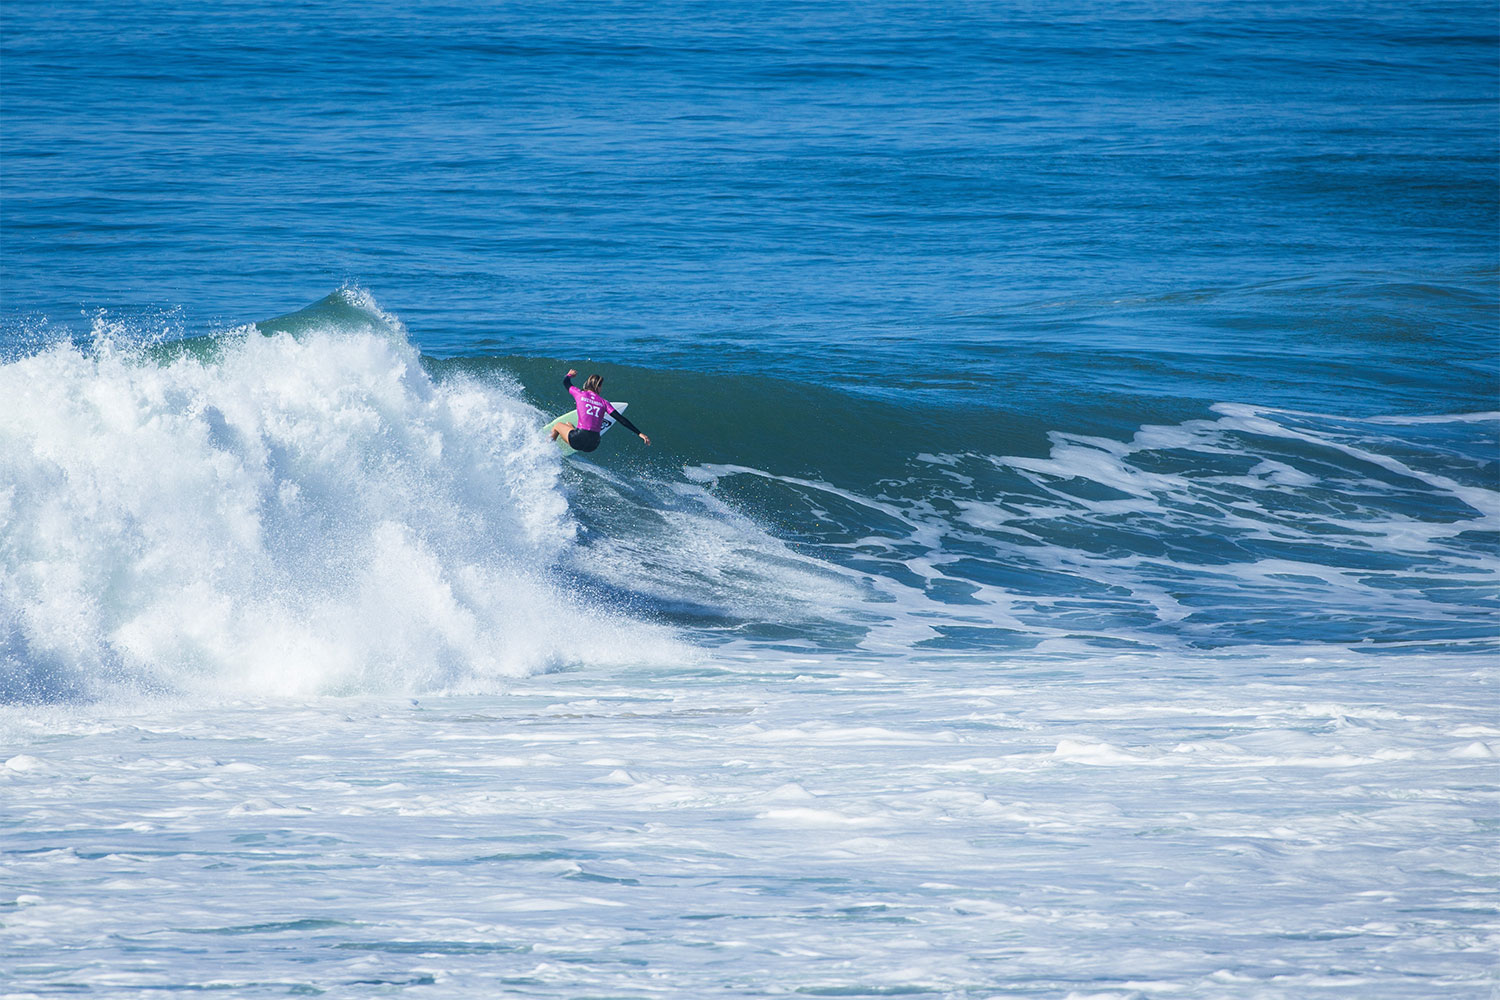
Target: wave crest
{"type": "Point", "coordinates": [289, 510]}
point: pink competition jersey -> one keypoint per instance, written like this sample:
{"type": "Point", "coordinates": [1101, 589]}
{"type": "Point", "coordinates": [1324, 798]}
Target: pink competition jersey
{"type": "Point", "coordinates": [591, 408]}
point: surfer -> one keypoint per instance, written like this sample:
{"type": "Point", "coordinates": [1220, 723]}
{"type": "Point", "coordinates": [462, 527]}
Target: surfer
{"type": "Point", "coordinates": [591, 410]}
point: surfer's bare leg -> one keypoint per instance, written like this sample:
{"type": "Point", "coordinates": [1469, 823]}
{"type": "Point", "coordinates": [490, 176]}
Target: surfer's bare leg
{"type": "Point", "coordinates": [561, 429]}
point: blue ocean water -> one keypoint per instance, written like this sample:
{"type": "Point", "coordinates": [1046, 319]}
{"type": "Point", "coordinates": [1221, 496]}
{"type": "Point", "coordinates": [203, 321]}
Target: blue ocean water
{"type": "Point", "coordinates": [1065, 563]}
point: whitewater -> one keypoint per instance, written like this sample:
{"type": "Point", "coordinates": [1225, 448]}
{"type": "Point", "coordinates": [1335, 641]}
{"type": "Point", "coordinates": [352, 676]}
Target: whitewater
{"type": "Point", "coordinates": [293, 517]}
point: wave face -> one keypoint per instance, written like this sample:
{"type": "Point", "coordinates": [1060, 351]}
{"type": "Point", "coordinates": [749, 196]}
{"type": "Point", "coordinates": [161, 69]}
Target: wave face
{"type": "Point", "coordinates": [271, 513]}
{"type": "Point", "coordinates": [806, 518]}
{"type": "Point", "coordinates": [309, 506]}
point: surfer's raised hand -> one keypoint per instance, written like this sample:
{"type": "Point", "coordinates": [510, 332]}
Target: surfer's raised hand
{"type": "Point", "coordinates": [572, 372]}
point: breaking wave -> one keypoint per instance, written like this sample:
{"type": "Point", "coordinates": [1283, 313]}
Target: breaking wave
{"type": "Point", "coordinates": [308, 506]}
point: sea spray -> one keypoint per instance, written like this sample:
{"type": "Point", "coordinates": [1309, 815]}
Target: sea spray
{"type": "Point", "coordinates": [279, 514]}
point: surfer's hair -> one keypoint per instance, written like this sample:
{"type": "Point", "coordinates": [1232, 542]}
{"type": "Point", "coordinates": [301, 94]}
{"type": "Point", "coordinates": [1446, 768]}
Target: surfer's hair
{"type": "Point", "coordinates": [593, 383]}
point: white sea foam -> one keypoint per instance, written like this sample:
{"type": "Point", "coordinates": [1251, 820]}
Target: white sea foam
{"type": "Point", "coordinates": [289, 514]}
{"type": "Point", "coordinates": [1239, 827]}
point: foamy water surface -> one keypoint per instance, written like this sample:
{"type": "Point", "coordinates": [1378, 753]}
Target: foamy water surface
{"type": "Point", "coordinates": [1256, 827]}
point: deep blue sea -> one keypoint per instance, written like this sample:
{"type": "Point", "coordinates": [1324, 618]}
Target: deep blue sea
{"type": "Point", "coordinates": [1066, 561]}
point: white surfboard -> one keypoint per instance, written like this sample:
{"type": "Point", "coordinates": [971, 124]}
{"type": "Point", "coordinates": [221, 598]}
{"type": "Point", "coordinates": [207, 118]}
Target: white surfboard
{"type": "Point", "coordinates": [571, 417]}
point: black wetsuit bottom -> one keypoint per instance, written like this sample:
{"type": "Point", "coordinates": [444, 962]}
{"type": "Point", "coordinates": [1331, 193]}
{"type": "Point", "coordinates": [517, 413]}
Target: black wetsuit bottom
{"type": "Point", "coordinates": [580, 440]}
